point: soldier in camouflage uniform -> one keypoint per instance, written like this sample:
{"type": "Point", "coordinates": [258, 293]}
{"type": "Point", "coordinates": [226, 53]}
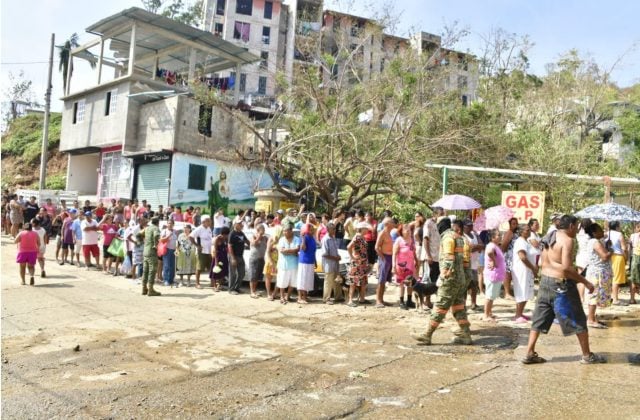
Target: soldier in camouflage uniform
{"type": "Point", "coordinates": [453, 290]}
{"type": "Point", "coordinates": [150, 261]}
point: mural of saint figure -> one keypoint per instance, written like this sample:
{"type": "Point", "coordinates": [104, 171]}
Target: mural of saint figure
{"type": "Point", "coordinates": [219, 194]}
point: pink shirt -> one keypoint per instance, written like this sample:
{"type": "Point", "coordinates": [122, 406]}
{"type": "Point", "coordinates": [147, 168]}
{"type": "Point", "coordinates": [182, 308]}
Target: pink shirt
{"type": "Point", "coordinates": [51, 209]}
{"type": "Point", "coordinates": [498, 273]}
{"type": "Point", "coordinates": [109, 232]}
{"type": "Point", "coordinates": [127, 213]}
{"type": "Point", "coordinates": [28, 241]}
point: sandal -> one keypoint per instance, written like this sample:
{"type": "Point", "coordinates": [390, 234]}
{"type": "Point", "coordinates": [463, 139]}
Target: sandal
{"type": "Point", "coordinates": [379, 305]}
{"type": "Point", "coordinates": [282, 301]}
{"type": "Point", "coordinates": [254, 296]}
{"type": "Point", "coordinates": [532, 359]}
{"type": "Point", "coordinates": [593, 359]}
{"type": "Point", "coordinates": [271, 298]}
{"type": "Point", "coordinates": [198, 286]}
{"type": "Point", "coordinates": [352, 305]}
{"type": "Point", "coordinates": [303, 302]}
{"type": "Point", "coordinates": [597, 325]}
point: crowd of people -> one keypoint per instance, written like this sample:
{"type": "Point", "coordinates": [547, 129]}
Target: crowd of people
{"type": "Point", "coordinates": [439, 255]}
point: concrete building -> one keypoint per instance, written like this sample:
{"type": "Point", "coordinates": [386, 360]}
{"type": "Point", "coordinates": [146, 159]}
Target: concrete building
{"type": "Point", "coordinates": [291, 35]}
{"type": "Point", "coordinates": [139, 133]}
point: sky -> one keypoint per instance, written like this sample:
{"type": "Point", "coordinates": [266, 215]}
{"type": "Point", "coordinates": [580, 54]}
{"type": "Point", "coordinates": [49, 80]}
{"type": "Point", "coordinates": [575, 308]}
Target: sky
{"type": "Point", "coordinates": [603, 30]}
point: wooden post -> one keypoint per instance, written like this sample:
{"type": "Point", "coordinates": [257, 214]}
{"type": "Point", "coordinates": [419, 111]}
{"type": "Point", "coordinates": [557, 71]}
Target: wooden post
{"type": "Point", "coordinates": [607, 189]}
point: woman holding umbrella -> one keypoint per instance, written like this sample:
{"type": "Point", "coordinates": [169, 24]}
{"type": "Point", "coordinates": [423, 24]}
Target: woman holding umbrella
{"type": "Point", "coordinates": [618, 260]}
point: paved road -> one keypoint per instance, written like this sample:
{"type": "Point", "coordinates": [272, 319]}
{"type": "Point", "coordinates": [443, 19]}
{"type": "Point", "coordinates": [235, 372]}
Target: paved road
{"type": "Point", "coordinates": [196, 353]}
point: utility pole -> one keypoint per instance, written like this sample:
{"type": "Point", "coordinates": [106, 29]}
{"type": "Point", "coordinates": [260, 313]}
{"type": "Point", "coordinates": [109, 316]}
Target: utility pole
{"type": "Point", "coordinates": [45, 131]}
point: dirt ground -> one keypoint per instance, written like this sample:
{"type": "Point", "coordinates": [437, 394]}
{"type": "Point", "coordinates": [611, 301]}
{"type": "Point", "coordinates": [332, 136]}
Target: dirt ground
{"type": "Point", "coordinates": [81, 344]}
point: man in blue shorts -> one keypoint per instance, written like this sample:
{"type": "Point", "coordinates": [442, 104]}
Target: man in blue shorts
{"type": "Point", "coordinates": [558, 295]}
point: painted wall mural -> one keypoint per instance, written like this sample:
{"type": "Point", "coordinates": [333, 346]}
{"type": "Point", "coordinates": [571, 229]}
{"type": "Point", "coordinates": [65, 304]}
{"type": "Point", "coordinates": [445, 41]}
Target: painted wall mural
{"type": "Point", "coordinates": [212, 184]}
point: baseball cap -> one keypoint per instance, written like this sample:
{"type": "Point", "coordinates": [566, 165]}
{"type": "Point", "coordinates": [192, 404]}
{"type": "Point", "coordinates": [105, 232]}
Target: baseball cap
{"type": "Point", "coordinates": [205, 217]}
{"type": "Point", "coordinates": [73, 211]}
{"type": "Point", "coordinates": [555, 216]}
{"type": "Point", "coordinates": [87, 213]}
{"type": "Point", "coordinates": [280, 211]}
{"type": "Point", "coordinates": [467, 222]}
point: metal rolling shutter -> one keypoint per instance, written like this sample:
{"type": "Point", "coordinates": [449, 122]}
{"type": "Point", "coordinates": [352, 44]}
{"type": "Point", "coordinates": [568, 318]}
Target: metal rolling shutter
{"type": "Point", "coordinates": [152, 184]}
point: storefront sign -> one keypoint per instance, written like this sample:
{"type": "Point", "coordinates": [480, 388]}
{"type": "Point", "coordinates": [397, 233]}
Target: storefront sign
{"type": "Point", "coordinates": [525, 204]}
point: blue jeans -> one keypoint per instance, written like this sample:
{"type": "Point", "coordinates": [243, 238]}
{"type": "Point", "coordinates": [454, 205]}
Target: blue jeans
{"type": "Point", "coordinates": [169, 266]}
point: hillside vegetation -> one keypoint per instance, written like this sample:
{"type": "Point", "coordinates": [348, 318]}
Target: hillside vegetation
{"type": "Point", "coordinates": [21, 145]}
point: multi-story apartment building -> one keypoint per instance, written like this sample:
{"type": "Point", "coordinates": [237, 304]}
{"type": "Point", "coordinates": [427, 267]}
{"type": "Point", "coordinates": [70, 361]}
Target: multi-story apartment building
{"type": "Point", "coordinates": [259, 26]}
{"type": "Point", "coordinates": [293, 34]}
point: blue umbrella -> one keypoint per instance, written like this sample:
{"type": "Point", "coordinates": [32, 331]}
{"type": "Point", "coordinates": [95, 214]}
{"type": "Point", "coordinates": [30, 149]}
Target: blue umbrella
{"type": "Point", "coordinates": [610, 212]}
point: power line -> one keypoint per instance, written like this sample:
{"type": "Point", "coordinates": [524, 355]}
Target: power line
{"type": "Point", "coordinates": [26, 62]}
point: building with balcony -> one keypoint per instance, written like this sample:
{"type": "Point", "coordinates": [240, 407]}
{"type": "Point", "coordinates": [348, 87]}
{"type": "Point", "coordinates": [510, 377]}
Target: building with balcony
{"type": "Point", "coordinates": [137, 131]}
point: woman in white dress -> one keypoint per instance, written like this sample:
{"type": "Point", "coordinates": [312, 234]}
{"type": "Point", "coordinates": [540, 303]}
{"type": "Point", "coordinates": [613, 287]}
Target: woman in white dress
{"type": "Point", "coordinates": [523, 271]}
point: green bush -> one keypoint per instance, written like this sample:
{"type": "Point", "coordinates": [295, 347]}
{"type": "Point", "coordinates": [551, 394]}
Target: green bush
{"type": "Point", "coordinates": [24, 137]}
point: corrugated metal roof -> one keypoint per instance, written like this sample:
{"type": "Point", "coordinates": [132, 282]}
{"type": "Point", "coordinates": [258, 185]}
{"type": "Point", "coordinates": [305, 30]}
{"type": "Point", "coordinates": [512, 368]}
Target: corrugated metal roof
{"type": "Point", "coordinates": [206, 39]}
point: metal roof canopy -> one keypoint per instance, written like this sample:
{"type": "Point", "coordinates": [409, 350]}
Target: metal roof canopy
{"type": "Point", "coordinates": [160, 42]}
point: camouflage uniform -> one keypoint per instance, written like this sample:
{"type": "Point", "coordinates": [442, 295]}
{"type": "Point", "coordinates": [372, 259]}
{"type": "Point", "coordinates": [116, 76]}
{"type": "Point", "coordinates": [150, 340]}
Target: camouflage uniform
{"type": "Point", "coordinates": [150, 260]}
{"type": "Point", "coordinates": [453, 291]}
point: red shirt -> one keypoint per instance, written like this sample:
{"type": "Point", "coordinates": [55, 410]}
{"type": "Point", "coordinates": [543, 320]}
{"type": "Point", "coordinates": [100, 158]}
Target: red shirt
{"type": "Point", "coordinates": [100, 212]}
{"type": "Point", "coordinates": [371, 235]}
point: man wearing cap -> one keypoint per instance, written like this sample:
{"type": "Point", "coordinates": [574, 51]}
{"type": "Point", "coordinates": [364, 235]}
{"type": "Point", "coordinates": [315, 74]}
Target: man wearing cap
{"type": "Point", "coordinates": [77, 237]}
{"type": "Point", "coordinates": [555, 221]}
{"type": "Point", "coordinates": [89, 229]}
{"type": "Point", "coordinates": [277, 220]}
{"type": "Point", "coordinates": [475, 246]}
{"type": "Point", "coordinates": [202, 238]}
{"type": "Point", "coordinates": [150, 254]}
{"type": "Point", "coordinates": [452, 292]}
{"type": "Point", "coordinates": [431, 245]}
{"type": "Point", "coordinates": [237, 242]}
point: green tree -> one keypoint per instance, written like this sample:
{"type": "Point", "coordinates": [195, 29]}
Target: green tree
{"type": "Point", "coordinates": [64, 52]}
{"type": "Point", "coordinates": [187, 13]}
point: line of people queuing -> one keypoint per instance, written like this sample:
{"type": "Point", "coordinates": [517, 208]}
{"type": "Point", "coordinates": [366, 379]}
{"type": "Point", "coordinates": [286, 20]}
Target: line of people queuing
{"type": "Point", "coordinates": [401, 253]}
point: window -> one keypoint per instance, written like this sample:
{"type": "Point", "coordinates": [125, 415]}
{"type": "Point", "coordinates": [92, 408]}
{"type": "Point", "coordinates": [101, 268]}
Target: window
{"type": "Point", "coordinates": [264, 59]}
{"type": "Point", "coordinates": [262, 85]}
{"type": "Point", "coordinates": [244, 7]}
{"type": "Point", "coordinates": [465, 100]}
{"type": "Point", "coordinates": [115, 174]}
{"type": "Point", "coordinates": [197, 177]}
{"type": "Point", "coordinates": [462, 82]}
{"type": "Point", "coordinates": [78, 111]}
{"type": "Point", "coordinates": [356, 28]}
{"type": "Point", "coordinates": [218, 28]}
{"type": "Point", "coordinates": [204, 120]}
{"type": "Point", "coordinates": [242, 30]}
{"type": "Point", "coordinates": [268, 9]}
{"type": "Point", "coordinates": [110, 102]}
{"type": "Point", "coordinates": [220, 7]}
{"type": "Point", "coordinates": [266, 35]}
{"type": "Point", "coordinates": [243, 82]}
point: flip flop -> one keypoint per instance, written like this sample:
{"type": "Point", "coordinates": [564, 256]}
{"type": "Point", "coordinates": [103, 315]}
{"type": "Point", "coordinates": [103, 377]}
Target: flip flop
{"type": "Point", "coordinates": [533, 359]}
{"type": "Point", "coordinates": [598, 326]}
{"type": "Point", "coordinates": [379, 305]}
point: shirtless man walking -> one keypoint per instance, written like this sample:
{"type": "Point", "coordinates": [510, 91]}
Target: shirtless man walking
{"type": "Point", "coordinates": [558, 295]}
